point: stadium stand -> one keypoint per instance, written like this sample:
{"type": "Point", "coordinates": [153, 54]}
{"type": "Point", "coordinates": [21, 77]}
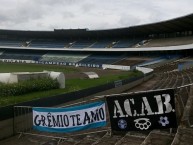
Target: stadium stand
{"type": "Point", "coordinates": [166, 72]}
{"type": "Point", "coordinates": [22, 54]}
{"type": "Point", "coordinates": [1, 52]}
{"type": "Point", "coordinates": [48, 43]}
{"type": "Point", "coordinates": [102, 58]}
{"type": "Point", "coordinates": [102, 44]}
{"type": "Point", "coordinates": [159, 60]}
{"type": "Point", "coordinates": [155, 137]}
{"type": "Point", "coordinates": [183, 136]}
{"type": "Point", "coordinates": [160, 42]}
{"type": "Point", "coordinates": [126, 43]}
{"type": "Point", "coordinates": [11, 43]}
{"type": "Point", "coordinates": [63, 57]}
{"type": "Point", "coordinates": [82, 44]}
{"type": "Point", "coordinates": [132, 61]}
{"type": "Point", "coordinates": [158, 138]}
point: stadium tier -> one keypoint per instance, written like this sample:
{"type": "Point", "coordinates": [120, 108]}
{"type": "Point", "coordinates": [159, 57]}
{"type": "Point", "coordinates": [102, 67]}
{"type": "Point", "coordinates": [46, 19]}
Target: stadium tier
{"type": "Point", "coordinates": [82, 44]}
{"type": "Point", "coordinates": [11, 43]}
{"type": "Point", "coordinates": [47, 44]}
{"type": "Point", "coordinates": [127, 43]}
{"type": "Point", "coordinates": [124, 43]}
{"type": "Point", "coordinates": [22, 54]}
{"type": "Point", "coordinates": [161, 42]}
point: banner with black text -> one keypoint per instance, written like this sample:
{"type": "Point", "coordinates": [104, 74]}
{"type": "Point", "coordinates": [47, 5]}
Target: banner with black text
{"type": "Point", "coordinates": [70, 119]}
{"type": "Point", "coordinates": [142, 111]}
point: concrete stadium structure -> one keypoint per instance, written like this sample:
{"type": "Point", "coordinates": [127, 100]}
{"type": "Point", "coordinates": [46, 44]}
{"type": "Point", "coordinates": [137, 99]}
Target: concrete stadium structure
{"type": "Point", "coordinates": [162, 46]}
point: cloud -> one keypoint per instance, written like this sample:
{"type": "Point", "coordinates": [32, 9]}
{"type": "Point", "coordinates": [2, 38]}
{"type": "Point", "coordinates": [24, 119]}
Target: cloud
{"type": "Point", "coordinates": [92, 14]}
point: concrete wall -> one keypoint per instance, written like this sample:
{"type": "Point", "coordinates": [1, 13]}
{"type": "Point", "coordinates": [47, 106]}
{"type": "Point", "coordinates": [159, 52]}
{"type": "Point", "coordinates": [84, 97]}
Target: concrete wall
{"type": "Point", "coordinates": [12, 126]}
{"type": "Point", "coordinates": [6, 128]}
{"type": "Point", "coordinates": [144, 69]}
{"type": "Point", "coordinates": [119, 67]}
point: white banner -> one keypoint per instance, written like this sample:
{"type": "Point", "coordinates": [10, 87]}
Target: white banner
{"type": "Point", "coordinates": [70, 119]}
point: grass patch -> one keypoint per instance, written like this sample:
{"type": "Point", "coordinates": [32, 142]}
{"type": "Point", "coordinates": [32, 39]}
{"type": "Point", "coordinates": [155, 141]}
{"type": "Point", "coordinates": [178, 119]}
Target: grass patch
{"type": "Point", "coordinates": [86, 83]}
{"type": "Point", "coordinates": [71, 84]}
{"type": "Point", "coordinates": [23, 67]}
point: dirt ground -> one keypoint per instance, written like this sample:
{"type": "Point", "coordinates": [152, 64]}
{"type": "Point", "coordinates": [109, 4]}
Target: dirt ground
{"type": "Point", "coordinates": [98, 71]}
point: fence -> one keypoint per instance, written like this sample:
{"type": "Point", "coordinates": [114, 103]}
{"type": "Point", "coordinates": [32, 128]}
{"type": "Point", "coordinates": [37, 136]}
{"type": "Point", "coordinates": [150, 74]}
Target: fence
{"type": "Point", "coordinates": [22, 120]}
{"type": "Point", "coordinates": [23, 124]}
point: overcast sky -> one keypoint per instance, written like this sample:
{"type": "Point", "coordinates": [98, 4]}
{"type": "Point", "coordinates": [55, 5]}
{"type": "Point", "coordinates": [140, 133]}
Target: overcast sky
{"type": "Point", "coordinates": [91, 14]}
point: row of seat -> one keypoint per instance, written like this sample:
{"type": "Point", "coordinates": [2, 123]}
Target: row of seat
{"type": "Point", "coordinates": [106, 43]}
{"type": "Point", "coordinates": [125, 43]}
{"type": "Point", "coordinates": [160, 42]}
{"type": "Point", "coordinates": [182, 135]}
{"type": "Point", "coordinates": [168, 76]}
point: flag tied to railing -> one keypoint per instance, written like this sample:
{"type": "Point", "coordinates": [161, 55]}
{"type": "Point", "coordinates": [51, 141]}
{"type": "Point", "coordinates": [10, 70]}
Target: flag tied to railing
{"type": "Point", "coordinates": [70, 119]}
{"type": "Point", "coordinates": [142, 111]}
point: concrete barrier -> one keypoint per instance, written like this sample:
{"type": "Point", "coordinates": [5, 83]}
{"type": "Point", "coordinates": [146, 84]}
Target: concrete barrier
{"type": "Point", "coordinates": [59, 76]}
{"type": "Point", "coordinates": [15, 77]}
{"type": "Point", "coordinates": [4, 77]}
{"type": "Point", "coordinates": [22, 76]}
{"type": "Point", "coordinates": [6, 128]}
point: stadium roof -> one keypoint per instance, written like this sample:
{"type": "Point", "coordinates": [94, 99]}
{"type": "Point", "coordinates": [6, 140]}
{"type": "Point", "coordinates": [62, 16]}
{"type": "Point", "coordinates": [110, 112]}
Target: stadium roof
{"type": "Point", "coordinates": [180, 24]}
{"type": "Point", "coordinates": [184, 23]}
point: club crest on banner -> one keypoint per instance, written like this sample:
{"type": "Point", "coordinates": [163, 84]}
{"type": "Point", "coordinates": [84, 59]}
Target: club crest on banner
{"type": "Point", "coordinates": [164, 121]}
{"type": "Point", "coordinates": [122, 124]}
